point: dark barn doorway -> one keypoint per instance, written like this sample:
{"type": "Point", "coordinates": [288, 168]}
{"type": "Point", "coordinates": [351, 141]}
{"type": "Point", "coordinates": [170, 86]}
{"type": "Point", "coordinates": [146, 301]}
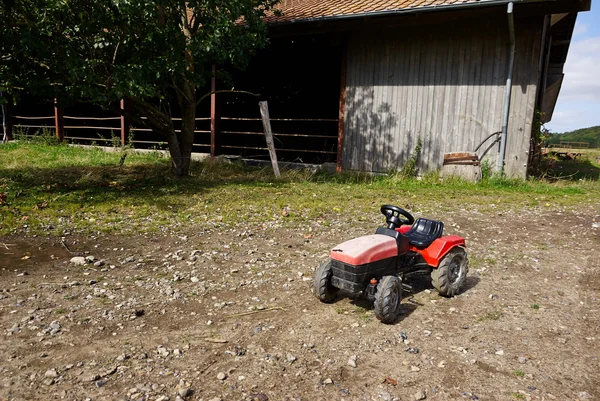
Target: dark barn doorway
{"type": "Point", "coordinates": [300, 79]}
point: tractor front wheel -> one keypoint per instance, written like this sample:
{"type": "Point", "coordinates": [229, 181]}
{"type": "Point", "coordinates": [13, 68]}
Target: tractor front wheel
{"type": "Point", "coordinates": [322, 287]}
{"type": "Point", "coordinates": [387, 299]}
{"type": "Point", "coordinates": [450, 277]}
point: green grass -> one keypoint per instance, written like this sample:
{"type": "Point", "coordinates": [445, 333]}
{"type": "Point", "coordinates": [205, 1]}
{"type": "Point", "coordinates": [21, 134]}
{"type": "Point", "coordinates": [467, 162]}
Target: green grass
{"type": "Point", "coordinates": [535, 306]}
{"type": "Point", "coordinates": [57, 189]}
{"type": "Point", "coordinates": [519, 373]}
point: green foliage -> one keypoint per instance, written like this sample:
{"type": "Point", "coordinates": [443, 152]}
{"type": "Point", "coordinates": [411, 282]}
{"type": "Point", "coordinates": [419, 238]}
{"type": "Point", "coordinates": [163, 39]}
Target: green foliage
{"type": "Point", "coordinates": [590, 135]}
{"type": "Point", "coordinates": [410, 167]}
{"type": "Point", "coordinates": [101, 51]}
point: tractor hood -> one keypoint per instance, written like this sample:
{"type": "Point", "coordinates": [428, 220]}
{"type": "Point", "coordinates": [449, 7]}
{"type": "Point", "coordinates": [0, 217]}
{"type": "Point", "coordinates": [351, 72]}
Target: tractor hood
{"type": "Point", "coordinates": [366, 249]}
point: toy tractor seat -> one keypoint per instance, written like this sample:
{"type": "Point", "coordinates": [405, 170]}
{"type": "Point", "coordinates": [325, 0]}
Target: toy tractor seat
{"type": "Point", "coordinates": [424, 231]}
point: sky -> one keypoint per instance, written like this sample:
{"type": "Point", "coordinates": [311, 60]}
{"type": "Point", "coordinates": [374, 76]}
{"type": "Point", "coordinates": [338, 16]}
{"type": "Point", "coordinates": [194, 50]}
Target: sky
{"type": "Point", "coordinates": [579, 100]}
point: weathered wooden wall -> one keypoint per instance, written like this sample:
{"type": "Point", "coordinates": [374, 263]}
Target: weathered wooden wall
{"type": "Point", "coordinates": [442, 84]}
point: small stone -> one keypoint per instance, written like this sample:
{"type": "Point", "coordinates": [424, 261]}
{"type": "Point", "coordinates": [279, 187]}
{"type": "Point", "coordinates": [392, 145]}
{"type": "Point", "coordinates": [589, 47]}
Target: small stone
{"type": "Point", "coordinates": [221, 376]}
{"type": "Point", "coordinates": [562, 340]}
{"type": "Point", "coordinates": [49, 381]}
{"type": "Point", "coordinates": [90, 259]}
{"type": "Point", "coordinates": [500, 352]}
{"type": "Point", "coordinates": [583, 395]}
{"type": "Point", "coordinates": [420, 395]}
{"type": "Point", "coordinates": [415, 369]}
{"type": "Point", "coordinates": [352, 361]}
{"type": "Point", "coordinates": [194, 279]}
{"type": "Point", "coordinates": [216, 399]}
{"type": "Point", "coordinates": [442, 364]}
{"type": "Point", "coordinates": [78, 261]}
{"type": "Point", "coordinates": [522, 359]}
{"type": "Point", "coordinates": [291, 358]}
{"type": "Point", "coordinates": [99, 263]}
{"type": "Point", "coordinates": [52, 373]}
{"type": "Point", "coordinates": [162, 398]}
{"type": "Point", "coordinates": [184, 392]}
{"type": "Point", "coordinates": [328, 381]}
{"type": "Point", "coordinates": [241, 378]}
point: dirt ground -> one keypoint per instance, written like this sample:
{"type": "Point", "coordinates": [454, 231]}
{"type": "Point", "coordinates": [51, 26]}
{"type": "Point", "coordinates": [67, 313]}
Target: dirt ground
{"type": "Point", "coordinates": [228, 314]}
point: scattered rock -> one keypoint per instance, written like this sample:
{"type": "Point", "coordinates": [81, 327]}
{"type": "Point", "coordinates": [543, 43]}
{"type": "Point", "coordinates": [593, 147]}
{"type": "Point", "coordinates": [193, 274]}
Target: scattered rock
{"type": "Point", "coordinates": [420, 395]}
{"type": "Point", "coordinates": [500, 352]}
{"type": "Point", "coordinates": [52, 373]}
{"type": "Point", "coordinates": [442, 364]}
{"type": "Point", "coordinates": [78, 261]}
{"type": "Point", "coordinates": [291, 358]}
{"type": "Point", "coordinates": [328, 381]}
{"type": "Point", "coordinates": [583, 395]}
{"type": "Point", "coordinates": [221, 376]}
{"type": "Point", "coordinates": [352, 361]}
{"type": "Point", "coordinates": [522, 359]}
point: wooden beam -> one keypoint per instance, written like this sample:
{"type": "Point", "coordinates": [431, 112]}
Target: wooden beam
{"type": "Point", "coordinates": [342, 108]}
{"type": "Point", "coordinates": [214, 117]}
{"type": "Point", "coordinates": [125, 123]}
{"type": "Point", "coordinates": [59, 121]}
{"type": "Point", "coordinates": [264, 112]}
{"type": "Point", "coordinates": [8, 118]}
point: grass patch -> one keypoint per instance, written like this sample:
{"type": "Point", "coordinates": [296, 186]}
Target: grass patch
{"type": "Point", "coordinates": [490, 316]}
{"type": "Point", "coordinates": [519, 373]}
{"type": "Point", "coordinates": [58, 189]}
{"type": "Point", "coordinates": [535, 306]}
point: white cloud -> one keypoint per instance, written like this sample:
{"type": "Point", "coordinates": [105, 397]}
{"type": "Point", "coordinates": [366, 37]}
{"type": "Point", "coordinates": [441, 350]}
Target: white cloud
{"type": "Point", "coordinates": [582, 77]}
{"type": "Point", "coordinates": [580, 29]}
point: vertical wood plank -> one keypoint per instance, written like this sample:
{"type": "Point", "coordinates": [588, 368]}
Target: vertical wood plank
{"type": "Point", "coordinates": [124, 124]}
{"type": "Point", "coordinates": [264, 113]}
{"type": "Point", "coordinates": [342, 107]}
{"type": "Point", "coordinates": [59, 121]}
{"type": "Point", "coordinates": [214, 131]}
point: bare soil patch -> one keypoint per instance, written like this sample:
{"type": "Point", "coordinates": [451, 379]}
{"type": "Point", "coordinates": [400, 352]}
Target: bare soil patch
{"type": "Point", "coordinates": [229, 314]}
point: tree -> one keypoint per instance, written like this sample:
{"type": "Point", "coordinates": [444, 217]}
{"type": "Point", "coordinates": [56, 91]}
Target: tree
{"type": "Point", "coordinates": [147, 52]}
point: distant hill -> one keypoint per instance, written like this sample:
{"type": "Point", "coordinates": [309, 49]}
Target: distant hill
{"type": "Point", "coordinates": [590, 135]}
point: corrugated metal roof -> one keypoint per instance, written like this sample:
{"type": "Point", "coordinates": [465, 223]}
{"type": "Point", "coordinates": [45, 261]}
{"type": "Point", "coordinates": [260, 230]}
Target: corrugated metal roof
{"type": "Point", "coordinates": [298, 10]}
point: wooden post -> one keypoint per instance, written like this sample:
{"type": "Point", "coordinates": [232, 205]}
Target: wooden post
{"type": "Point", "coordinates": [214, 117]}
{"type": "Point", "coordinates": [342, 107]}
{"type": "Point", "coordinates": [7, 119]}
{"type": "Point", "coordinates": [59, 121]}
{"type": "Point", "coordinates": [124, 124]}
{"type": "Point", "coordinates": [264, 112]}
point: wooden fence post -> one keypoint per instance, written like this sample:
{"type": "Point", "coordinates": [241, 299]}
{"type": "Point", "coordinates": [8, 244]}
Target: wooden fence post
{"type": "Point", "coordinates": [124, 124]}
{"type": "Point", "coordinates": [214, 118]}
{"type": "Point", "coordinates": [59, 121]}
{"type": "Point", "coordinates": [264, 112]}
{"type": "Point", "coordinates": [342, 108]}
{"type": "Point", "coordinates": [7, 119]}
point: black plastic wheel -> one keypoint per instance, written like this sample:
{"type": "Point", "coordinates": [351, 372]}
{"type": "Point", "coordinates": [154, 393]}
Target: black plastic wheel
{"type": "Point", "coordinates": [450, 277]}
{"type": "Point", "coordinates": [388, 298]}
{"type": "Point", "coordinates": [322, 287]}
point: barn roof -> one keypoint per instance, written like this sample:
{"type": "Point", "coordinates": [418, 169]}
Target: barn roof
{"type": "Point", "coordinates": [310, 10]}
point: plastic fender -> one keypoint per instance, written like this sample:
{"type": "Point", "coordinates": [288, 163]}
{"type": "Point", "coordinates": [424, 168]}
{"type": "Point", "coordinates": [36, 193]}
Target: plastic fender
{"type": "Point", "coordinates": [439, 248]}
{"type": "Point", "coordinates": [366, 249]}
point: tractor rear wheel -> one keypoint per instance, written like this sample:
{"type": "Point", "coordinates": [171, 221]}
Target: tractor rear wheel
{"type": "Point", "coordinates": [322, 287]}
{"type": "Point", "coordinates": [387, 299]}
{"type": "Point", "coordinates": [450, 277]}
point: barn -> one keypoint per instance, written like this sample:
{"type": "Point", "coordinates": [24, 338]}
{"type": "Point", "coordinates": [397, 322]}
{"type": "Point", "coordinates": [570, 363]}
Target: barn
{"type": "Point", "coordinates": [363, 84]}
{"type": "Point", "coordinates": [436, 72]}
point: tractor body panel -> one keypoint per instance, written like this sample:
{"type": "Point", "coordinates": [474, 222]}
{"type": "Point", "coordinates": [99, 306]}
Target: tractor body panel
{"type": "Point", "coordinates": [364, 250]}
{"type": "Point", "coordinates": [354, 278]}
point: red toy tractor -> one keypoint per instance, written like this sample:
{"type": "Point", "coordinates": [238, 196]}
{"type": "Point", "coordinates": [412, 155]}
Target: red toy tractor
{"type": "Point", "coordinates": [375, 266]}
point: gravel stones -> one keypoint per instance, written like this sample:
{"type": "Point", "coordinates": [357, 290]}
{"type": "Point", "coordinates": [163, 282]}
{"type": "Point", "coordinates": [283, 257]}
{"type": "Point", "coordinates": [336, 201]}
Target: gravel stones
{"type": "Point", "coordinates": [221, 376]}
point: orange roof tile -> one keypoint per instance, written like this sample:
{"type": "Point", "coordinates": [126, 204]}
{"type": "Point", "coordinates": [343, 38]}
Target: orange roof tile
{"type": "Point", "coordinates": [298, 10]}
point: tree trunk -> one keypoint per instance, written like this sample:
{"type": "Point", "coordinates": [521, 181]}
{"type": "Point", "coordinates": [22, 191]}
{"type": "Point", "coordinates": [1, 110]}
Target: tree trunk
{"type": "Point", "coordinates": [187, 103]}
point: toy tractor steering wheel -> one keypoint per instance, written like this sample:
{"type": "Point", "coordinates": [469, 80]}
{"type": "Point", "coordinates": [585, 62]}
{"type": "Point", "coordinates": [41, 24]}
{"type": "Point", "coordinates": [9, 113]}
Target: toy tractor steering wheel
{"type": "Point", "coordinates": [395, 216]}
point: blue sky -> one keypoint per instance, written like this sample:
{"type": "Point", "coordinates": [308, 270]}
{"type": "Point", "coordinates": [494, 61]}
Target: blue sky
{"type": "Point", "coordinates": [579, 100]}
